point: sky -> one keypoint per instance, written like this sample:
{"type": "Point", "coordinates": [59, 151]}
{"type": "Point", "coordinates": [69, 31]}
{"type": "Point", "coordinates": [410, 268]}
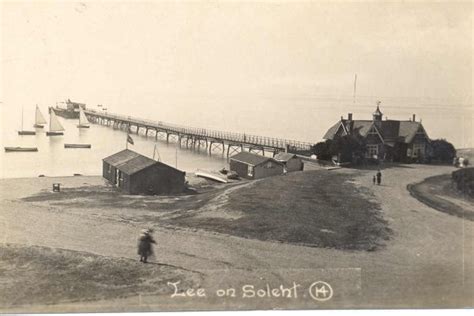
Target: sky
{"type": "Point", "coordinates": [139, 54]}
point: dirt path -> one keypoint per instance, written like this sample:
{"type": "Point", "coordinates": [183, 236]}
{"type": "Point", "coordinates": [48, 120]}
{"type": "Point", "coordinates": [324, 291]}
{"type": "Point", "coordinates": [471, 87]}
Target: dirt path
{"type": "Point", "coordinates": [427, 262]}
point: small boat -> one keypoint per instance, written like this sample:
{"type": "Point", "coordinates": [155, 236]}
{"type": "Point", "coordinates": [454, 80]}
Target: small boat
{"type": "Point", "coordinates": [211, 176]}
{"type": "Point", "coordinates": [23, 132]}
{"type": "Point", "coordinates": [26, 133]}
{"type": "Point", "coordinates": [232, 175]}
{"type": "Point", "coordinates": [83, 121]}
{"type": "Point", "coordinates": [39, 118]}
{"type": "Point", "coordinates": [55, 127]}
{"type": "Point", "coordinates": [77, 146]}
{"type": "Point", "coordinates": [11, 149]}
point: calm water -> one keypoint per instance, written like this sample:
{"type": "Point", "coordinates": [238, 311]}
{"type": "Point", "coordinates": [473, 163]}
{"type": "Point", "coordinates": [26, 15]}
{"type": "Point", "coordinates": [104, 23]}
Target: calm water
{"type": "Point", "coordinates": [52, 159]}
{"type": "Point", "coordinates": [304, 119]}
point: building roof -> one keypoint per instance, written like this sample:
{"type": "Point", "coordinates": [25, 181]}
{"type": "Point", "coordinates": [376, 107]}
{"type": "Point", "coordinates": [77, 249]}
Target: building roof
{"type": "Point", "coordinates": [131, 162]}
{"type": "Point", "coordinates": [251, 158]}
{"type": "Point", "coordinates": [391, 131]}
{"type": "Point", "coordinates": [284, 157]}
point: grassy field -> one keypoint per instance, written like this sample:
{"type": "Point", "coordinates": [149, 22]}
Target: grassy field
{"type": "Point", "coordinates": [39, 276]}
{"type": "Point", "coordinates": [313, 208]}
{"type": "Point", "coordinates": [439, 192]}
{"type": "Point", "coordinates": [318, 209]}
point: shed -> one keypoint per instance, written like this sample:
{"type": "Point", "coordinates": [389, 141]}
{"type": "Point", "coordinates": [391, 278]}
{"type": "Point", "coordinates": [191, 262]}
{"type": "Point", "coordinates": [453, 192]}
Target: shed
{"type": "Point", "coordinates": [253, 166]}
{"type": "Point", "coordinates": [291, 161]}
{"type": "Point", "coordinates": [134, 173]}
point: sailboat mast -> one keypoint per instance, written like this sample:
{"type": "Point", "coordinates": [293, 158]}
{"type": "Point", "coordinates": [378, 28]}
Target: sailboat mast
{"type": "Point", "coordinates": [355, 88]}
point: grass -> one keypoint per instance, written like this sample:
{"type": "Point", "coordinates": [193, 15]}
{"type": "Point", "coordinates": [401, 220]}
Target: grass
{"type": "Point", "coordinates": [439, 192]}
{"type": "Point", "coordinates": [38, 275]}
{"type": "Point", "coordinates": [312, 208]}
{"type": "Point", "coordinates": [318, 209]}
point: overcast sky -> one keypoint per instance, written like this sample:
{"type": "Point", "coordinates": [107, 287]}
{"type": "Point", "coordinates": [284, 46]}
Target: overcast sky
{"type": "Point", "coordinates": [406, 50]}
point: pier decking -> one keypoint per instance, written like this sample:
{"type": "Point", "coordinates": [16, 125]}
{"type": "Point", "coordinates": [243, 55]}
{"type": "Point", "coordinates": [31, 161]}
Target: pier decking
{"type": "Point", "coordinates": [199, 138]}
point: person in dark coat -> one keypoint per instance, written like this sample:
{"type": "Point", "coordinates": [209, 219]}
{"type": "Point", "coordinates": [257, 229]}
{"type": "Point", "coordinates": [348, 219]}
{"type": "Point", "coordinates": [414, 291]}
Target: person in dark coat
{"type": "Point", "coordinates": [374, 180]}
{"type": "Point", "coordinates": [379, 177]}
{"type": "Point", "coordinates": [144, 245]}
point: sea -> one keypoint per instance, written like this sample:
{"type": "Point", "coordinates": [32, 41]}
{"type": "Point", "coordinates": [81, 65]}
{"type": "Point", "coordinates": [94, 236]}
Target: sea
{"type": "Point", "coordinates": [297, 118]}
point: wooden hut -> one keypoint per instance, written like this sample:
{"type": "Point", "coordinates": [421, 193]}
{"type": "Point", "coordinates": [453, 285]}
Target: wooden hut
{"type": "Point", "coordinates": [136, 174]}
{"type": "Point", "coordinates": [253, 166]}
{"type": "Point", "coordinates": [291, 161]}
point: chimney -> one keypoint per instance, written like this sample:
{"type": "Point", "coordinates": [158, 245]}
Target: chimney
{"type": "Point", "coordinates": [349, 116]}
{"type": "Point", "coordinates": [413, 118]}
{"type": "Point", "coordinates": [342, 118]}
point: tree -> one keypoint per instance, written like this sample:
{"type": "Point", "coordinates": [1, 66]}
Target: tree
{"type": "Point", "coordinates": [442, 150]}
{"type": "Point", "coordinates": [346, 147]}
{"type": "Point", "coordinates": [321, 150]}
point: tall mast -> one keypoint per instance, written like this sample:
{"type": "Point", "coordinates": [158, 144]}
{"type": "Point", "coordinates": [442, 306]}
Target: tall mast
{"type": "Point", "coordinates": [355, 87]}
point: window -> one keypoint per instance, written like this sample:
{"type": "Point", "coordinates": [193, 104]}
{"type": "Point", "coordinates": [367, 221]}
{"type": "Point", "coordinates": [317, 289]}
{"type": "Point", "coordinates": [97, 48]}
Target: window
{"type": "Point", "coordinates": [250, 170]}
{"type": "Point", "coordinates": [269, 165]}
{"type": "Point", "coordinates": [372, 151]}
{"type": "Point", "coordinates": [110, 169]}
{"type": "Point", "coordinates": [418, 150]}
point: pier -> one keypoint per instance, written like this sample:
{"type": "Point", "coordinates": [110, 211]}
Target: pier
{"type": "Point", "coordinates": [199, 138]}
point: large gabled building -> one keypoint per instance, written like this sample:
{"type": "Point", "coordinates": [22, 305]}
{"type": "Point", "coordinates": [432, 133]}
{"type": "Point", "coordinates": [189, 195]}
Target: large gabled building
{"type": "Point", "coordinates": [386, 139]}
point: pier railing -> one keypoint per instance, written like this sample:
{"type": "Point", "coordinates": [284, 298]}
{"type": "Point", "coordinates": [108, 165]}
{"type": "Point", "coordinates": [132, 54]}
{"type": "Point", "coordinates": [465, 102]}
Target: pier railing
{"type": "Point", "coordinates": [230, 137]}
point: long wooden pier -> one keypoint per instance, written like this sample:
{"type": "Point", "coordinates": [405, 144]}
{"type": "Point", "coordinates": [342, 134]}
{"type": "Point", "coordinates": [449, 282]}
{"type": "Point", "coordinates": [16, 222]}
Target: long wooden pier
{"type": "Point", "coordinates": [198, 138]}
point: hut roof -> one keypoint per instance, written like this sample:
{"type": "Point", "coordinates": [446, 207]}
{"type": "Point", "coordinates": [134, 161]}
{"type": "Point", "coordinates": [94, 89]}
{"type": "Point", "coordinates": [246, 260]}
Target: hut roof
{"type": "Point", "coordinates": [284, 157]}
{"type": "Point", "coordinates": [131, 162]}
{"type": "Point", "coordinates": [251, 159]}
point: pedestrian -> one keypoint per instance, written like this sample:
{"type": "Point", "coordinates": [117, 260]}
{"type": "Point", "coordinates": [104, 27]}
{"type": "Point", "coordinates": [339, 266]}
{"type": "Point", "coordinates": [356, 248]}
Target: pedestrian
{"type": "Point", "coordinates": [144, 245]}
{"type": "Point", "coordinates": [379, 177]}
{"type": "Point", "coordinates": [373, 180]}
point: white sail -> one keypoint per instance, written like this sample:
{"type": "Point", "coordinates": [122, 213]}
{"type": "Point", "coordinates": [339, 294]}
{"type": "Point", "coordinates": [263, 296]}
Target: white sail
{"type": "Point", "coordinates": [83, 118]}
{"type": "Point", "coordinates": [54, 124]}
{"type": "Point", "coordinates": [39, 118]}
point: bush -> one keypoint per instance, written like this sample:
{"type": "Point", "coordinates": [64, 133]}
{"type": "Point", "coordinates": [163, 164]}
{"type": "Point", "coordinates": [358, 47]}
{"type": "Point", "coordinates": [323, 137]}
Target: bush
{"type": "Point", "coordinates": [464, 179]}
{"type": "Point", "coordinates": [442, 150]}
{"type": "Point", "coordinates": [346, 147]}
{"type": "Point", "coordinates": [321, 150]}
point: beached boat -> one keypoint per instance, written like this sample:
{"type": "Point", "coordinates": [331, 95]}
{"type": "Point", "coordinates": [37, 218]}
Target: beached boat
{"type": "Point", "coordinates": [11, 149]}
{"type": "Point", "coordinates": [83, 121]}
{"type": "Point", "coordinates": [55, 127]}
{"type": "Point", "coordinates": [77, 145]}
{"type": "Point", "coordinates": [40, 121]}
{"type": "Point", "coordinates": [23, 132]}
{"type": "Point", "coordinates": [211, 176]}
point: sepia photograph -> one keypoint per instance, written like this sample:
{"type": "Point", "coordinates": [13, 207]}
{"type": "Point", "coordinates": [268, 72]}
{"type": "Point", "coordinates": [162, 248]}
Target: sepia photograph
{"type": "Point", "coordinates": [165, 156]}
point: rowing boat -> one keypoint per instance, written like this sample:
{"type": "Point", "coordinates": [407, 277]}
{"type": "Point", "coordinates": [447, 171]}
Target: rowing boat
{"type": "Point", "coordinates": [211, 176]}
{"type": "Point", "coordinates": [11, 149]}
{"type": "Point", "coordinates": [77, 146]}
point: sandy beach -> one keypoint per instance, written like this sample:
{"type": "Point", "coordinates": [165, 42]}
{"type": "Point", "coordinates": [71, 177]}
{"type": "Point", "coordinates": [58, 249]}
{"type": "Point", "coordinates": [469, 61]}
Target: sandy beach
{"type": "Point", "coordinates": [426, 261]}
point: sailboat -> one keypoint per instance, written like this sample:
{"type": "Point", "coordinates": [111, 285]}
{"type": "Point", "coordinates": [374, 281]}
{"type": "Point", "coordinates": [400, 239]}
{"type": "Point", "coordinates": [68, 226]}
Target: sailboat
{"type": "Point", "coordinates": [83, 121]}
{"type": "Point", "coordinates": [23, 132]}
{"type": "Point", "coordinates": [55, 127]}
{"type": "Point", "coordinates": [39, 118]}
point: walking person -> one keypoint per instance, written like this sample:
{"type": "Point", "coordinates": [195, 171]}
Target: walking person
{"type": "Point", "coordinates": [144, 245]}
{"type": "Point", "coordinates": [379, 177]}
{"type": "Point", "coordinates": [374, 180]}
